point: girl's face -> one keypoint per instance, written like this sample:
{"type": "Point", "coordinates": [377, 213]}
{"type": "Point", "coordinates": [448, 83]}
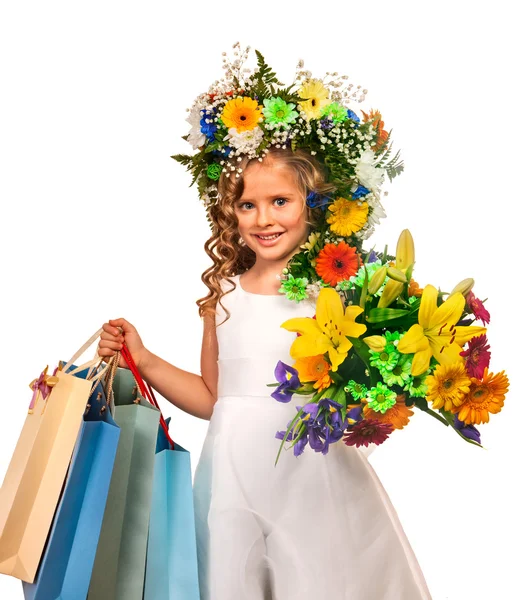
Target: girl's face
{"type": "Point", "coordinates": [269, 212]}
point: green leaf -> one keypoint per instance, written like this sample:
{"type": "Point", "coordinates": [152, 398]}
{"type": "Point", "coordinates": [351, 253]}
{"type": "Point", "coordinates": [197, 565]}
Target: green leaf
{"type": "Point", "coordinates": [379, 315]}
{"type": "Point", "coordinates": [450, 418]}
{"type": "Point", "coordinates": [421, 403]}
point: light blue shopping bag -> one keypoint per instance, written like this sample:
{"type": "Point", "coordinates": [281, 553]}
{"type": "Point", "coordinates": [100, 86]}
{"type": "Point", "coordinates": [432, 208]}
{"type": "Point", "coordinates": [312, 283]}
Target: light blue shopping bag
{"type": "Point", "coordinates": [65, 570]}
{"type": "Point", "coordinates": [171, 571]}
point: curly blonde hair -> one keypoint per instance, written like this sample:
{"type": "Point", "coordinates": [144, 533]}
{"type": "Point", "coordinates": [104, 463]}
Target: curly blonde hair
{"type": "Point", "coordinates": [229, 255]}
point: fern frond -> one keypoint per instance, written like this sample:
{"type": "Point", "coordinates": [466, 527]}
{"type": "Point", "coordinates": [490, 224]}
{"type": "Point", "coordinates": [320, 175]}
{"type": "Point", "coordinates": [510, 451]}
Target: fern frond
{"type": "Point", "coordinates": [184, 159]}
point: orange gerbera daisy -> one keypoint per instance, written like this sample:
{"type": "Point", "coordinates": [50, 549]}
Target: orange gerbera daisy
{"type": "Point", "coordinates": [398, 415]}
{"type": "Point", "coordinates": [485, 396]}
{"type": "Point", "coordinates": [336, 262]}
{"type": "Point", "coordinates": [381, 135]}
{"type": "Point", "coordinates": [241, 113]}
{"type": "Point", "coordinates": [314, 368]}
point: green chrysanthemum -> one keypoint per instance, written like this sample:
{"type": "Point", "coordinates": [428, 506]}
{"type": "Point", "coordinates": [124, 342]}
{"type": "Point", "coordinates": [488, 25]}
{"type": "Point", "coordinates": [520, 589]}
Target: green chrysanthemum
{"type": "Point", "coordinates": [416, 385]}
{"type": "Point", "coordinates": [381, 398]}
{"type": "Point", "coordinates": [335, 112]}
{"type": "Point", "coordinates": [401, 374]}
{"type": "Point", "coordinates": [294, 288]}
{"type": "Point", "coordinates": [357, 390]}
{"type": "Point", "coordinates": [387, 359]}
{"type": "Point", "coordinates": [344, 285]}
{"type": "Point", "coordinates": [359, 278]}
{"type": "Point", "coordinates": [393, 336]}
{"type": "Point", "coordinates": [277, 111]}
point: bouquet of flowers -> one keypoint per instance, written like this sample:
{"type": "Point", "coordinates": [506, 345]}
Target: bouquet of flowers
{"type": "Point", "coordinates": [379, 347]}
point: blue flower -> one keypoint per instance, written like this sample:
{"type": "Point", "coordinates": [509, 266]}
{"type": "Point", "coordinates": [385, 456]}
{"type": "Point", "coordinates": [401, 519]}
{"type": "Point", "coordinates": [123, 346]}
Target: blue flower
{"type": "Point", "coordinates": [353, 116]}
{"type": "Point", "coordinates": [314, 200]}
{"type": "Point", "coordinates": [360, 192]}
{"type": "Point", "coordinates": [222, 151]}
{"type": "Point", "coordinates": [289, 382]}
{"type": "Point", "coordinates": [209, 129]}
{"type": "Point", "coordinates": [469, 431]}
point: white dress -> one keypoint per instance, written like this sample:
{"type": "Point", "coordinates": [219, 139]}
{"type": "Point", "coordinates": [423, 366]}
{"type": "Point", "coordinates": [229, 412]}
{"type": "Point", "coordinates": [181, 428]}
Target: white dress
{"type": "Point", "coordinates": [313, 527]}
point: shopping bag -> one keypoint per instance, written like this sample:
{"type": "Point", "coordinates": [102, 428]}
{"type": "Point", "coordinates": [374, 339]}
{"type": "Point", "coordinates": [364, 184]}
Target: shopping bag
{"type": "Point", "coordinates": [36, 473]}
{"type": "Point", "coordinates": [171, 569]}
{"type": "Point", "coordinates": [66, 566]}
{"type": "Point", "coordinates": [171, 572]}
{"type": "Point", "coordinates": [119, 566]}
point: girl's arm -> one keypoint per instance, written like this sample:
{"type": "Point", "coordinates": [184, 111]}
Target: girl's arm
{"type": "Point", "coordinates": [192, 393]}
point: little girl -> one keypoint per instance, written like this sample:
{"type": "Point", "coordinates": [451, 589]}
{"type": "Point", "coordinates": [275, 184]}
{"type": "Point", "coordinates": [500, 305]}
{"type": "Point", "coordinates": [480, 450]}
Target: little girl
{"type": "Point", "coordinates": [312, 527]}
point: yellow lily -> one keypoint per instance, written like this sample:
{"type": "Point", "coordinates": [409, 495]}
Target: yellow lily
{"type": "Point", "coordinates": [436, 333]}
{"type": "Point", "coordinates": [404, 261]}
{"type": "Point", "coordinates": [328, 332]}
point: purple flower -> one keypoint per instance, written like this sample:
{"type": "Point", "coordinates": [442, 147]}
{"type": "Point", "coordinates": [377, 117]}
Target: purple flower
{"type": "Point", "coordinates": [355, 413]}
{"type": "Point", "coordinates": [326, 123]}
{"type": "Point", "coordinates": [325, 427]}
{"type": "Point", "coordinates": [288, 385]}
{"type": "Point", "coordinates": [469, 431]}
{"type": "Point", "coordinates": [299, 446]}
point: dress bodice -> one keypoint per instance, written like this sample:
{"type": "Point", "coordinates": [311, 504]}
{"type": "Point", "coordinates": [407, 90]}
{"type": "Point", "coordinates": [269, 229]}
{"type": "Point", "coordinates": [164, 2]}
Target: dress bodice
{"type": "Point", "coordinates": [252, 341]}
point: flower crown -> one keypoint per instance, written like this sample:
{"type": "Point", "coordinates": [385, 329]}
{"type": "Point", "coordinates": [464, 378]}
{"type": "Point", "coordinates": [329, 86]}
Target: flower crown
{"type": "Point", "coordinates": [248, 112]}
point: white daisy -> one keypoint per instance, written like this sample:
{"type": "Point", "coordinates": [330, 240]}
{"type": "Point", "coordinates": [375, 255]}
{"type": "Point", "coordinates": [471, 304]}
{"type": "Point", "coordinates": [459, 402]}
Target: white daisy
{"type": "Point", "coordinates": [368, 175]}
{"type": "Point", "coordinates": [246, 141]}
{"type": "Point", "coordinates": [195, 136]}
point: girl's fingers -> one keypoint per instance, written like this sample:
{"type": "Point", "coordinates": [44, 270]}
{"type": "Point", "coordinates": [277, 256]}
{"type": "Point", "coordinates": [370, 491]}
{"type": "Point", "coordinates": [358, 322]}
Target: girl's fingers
{"type": "Point", "coordinates": [110, 336]}
{"type": "Point", "coordinates": [110, 344]}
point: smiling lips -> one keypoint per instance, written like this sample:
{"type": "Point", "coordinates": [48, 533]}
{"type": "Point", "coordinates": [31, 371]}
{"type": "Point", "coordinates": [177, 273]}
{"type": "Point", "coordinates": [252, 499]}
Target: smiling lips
{"type": "Point", "coordinates": [271, 236]}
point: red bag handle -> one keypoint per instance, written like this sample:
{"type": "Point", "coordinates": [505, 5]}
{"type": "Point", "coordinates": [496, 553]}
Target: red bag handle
{"type": "Point", "coordinates": [146, 391]}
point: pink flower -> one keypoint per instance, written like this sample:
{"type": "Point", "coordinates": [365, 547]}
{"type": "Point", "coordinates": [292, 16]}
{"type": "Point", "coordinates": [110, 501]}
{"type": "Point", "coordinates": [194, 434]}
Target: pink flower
{"type": "Point", "coordinates": [367, 432]}
{"type": "Point", "coordinates": [477, 356]}
{"type": "Point", "coordinates": [477, 308]}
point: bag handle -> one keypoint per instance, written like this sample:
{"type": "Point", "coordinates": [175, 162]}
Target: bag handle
{"type": "Point", "coordinates": [77, 354]}
{"type": "Point", "coordinates": [146, 391]}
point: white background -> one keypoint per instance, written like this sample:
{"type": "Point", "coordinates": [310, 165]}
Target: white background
{"type": "Point", "coordinates": [98, 222]}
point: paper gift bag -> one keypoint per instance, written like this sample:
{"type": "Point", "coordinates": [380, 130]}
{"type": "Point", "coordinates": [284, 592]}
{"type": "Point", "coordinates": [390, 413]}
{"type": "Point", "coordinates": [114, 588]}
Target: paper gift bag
{"type": "Point", "coordinates": [119, 567]}
{"type": "Point", "coordinates": [36, 473]}
{"type": "Point", "coordinates": [171, 572]}
{"type": "Point", "coordinates": [66, 566]}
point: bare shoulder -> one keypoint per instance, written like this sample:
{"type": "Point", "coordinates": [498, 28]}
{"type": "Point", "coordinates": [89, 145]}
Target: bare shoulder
{"type": "Point", "coordinates": [209, 354]}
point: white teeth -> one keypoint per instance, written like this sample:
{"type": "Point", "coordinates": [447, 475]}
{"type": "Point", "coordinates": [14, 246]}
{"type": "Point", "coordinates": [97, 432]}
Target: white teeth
{"type": "Point", "coordinates": [269, 237]}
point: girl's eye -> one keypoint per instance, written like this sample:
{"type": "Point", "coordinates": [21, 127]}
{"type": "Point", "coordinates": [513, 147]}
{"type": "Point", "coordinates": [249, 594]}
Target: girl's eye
{"type": "Point", "coordinates": [249, 205]}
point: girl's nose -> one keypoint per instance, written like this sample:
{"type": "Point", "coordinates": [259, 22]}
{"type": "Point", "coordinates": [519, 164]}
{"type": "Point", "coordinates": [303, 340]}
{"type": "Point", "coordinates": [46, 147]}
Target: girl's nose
{"type": "Point", "coordinates": [264, 217]}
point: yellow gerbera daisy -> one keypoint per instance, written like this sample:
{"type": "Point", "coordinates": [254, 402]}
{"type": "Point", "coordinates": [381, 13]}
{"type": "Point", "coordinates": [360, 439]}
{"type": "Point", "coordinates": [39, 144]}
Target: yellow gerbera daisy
{"type": "Point", "coordinates": [447, 386]}
{"type": "Point", "coordinates": [314, 368]}
{"type": "Point", "coordinates": [241, 114]}
{"type": "Point", "coordinates": [485, 396]}
{"type": "Point", "coordinates": [316, 96]}
{"type": "Point", "coordinates": [348, 216]}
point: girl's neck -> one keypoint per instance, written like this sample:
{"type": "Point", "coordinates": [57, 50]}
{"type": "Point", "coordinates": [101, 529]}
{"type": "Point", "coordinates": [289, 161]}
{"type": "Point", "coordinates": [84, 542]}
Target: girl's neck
{"type": "Point", "coordinates": [261, 280]}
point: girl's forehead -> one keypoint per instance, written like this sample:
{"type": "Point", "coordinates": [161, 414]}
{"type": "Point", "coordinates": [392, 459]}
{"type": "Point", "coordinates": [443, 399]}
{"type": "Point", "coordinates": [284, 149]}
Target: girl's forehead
{"type": "Point", "coordinates": [272, 171]}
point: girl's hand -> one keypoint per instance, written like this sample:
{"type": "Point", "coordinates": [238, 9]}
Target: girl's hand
{"type": "Point", "coordinates": [117, 331]}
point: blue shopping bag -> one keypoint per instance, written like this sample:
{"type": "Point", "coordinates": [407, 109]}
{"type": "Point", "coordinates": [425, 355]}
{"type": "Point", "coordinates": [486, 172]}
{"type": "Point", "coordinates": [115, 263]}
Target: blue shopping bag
{"type": "Point", "coordinates": [171, 570]}
{"type": "Point", "coordinates": [65, 570]}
